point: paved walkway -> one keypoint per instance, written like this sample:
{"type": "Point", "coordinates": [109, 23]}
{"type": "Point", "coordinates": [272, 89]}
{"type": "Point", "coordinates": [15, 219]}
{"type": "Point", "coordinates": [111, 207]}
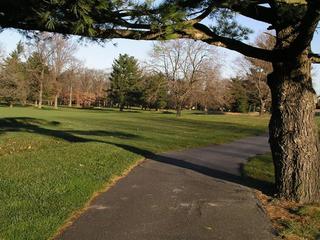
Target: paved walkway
{"type": "Point", "coordinates": [185, 195]}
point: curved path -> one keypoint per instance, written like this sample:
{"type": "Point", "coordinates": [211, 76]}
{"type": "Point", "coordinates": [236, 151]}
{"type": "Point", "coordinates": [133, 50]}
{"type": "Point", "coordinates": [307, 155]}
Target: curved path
{"type": "Point", "coordinates": [195, 194]}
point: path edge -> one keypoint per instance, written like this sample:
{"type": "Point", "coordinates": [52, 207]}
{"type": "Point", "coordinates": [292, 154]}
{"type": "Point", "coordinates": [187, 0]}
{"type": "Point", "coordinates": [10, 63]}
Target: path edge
{"type": "Point", "coordinates": [77, 213]}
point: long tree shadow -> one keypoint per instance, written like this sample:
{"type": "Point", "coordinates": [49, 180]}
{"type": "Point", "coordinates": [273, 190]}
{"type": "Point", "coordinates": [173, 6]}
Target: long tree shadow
{"type": "Point", "coordinates": [32, 125]}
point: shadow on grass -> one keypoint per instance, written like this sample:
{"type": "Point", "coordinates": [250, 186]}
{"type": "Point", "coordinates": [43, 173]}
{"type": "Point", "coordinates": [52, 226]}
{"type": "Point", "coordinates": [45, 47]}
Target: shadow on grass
{"type": "Point", "coordinates": [266, 187]}
{"type": "Point", "coordinates": [31, 125]}
{"type": "Point", "coordinates": [209, 113]}
{"type": "Point", "coordinates": [168, 112]}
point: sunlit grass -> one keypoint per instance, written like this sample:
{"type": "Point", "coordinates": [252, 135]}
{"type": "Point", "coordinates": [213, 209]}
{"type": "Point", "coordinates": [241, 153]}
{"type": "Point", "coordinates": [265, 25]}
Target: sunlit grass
{"type": "Point", "coordinates": [52, 161]}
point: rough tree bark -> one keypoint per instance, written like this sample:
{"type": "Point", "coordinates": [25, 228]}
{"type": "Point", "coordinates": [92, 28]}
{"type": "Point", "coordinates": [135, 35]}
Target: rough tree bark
{"type": "Point", "coordinates": [294, 137]}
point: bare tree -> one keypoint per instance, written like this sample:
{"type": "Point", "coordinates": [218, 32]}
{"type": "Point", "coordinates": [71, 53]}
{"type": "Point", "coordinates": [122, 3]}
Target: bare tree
{"type": "Point", "coordinates": [99, 80]}
{"type": "Point", "coordinates": [256, 72]}
{"type": "Point", "coordinates": [62, 55]}
{"type": "Point", "coordinates": [181, 61]}
{"type": "Point", "coordinates": [211, 91]}
{"type": "Point", "coordinates": [85, 86]}
{"type": "Point", "coordinates": [69, 80]}
{"type": "Point", "coordinates": [38, 65]}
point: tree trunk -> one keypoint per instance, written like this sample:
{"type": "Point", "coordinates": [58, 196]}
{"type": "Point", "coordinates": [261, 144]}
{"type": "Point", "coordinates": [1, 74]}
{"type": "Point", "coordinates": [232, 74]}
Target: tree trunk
{"type": "Point", "coordinates": [205, 109]}
{"type": "Point", "coordinates": [293, 132]}
{"type": "Point", "coordinates": [178, 109]}
{"type": "Point", "coordinates": [40, 95]}
{"type": "Point", "coordinates": [78, 105]}
{"type": "Point", "coordinates": [262, 107]}
{"type": "Point", "coordinates": [70, 97]}
{"type": "Point", "coordinates": [56, 101]}
{"type": "Point", "coordinates": [121, 107]}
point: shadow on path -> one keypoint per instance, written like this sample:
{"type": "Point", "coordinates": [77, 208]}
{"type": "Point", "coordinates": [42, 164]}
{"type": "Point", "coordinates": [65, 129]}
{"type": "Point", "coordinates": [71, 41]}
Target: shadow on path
{"type": "Point", "coordinates": [263, 186]}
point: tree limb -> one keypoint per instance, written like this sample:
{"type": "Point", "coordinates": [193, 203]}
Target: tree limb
{"type": "Point", "coordinates": [204, 14]}
{"type": "Point", "coordinates": [253, 11]}
{"type": "Point", "coordinates": [315, 58]}
{"type": "Point", "coordinates": [100, 33]}
{"type": "Point", "coordinates": [307, 28]}
{"type": "Point", "coordinates": [206, 35]}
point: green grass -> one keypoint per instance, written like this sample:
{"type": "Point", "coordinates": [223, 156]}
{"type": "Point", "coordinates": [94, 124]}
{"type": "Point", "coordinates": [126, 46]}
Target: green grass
{"type": "Point", "coordinates": [301, 221]}
{"type": "Point", "coordinates": [260, 168]}
{"type": "Point", "coordinates": [52, 161]}
{"type": "Point", "coordinates": [305, 226]}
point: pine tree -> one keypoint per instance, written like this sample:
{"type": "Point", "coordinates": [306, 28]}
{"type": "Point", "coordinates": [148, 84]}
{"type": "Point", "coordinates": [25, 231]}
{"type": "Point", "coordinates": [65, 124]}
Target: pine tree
{"type": "Point", "coordinates": [239, 102]}
{"type": "Point", "coordinates": [125, 82]}
{"type": "Point", "coordinates": [155, 91]}
{"type": "Point", "coordinates": [13, 82]}
{"type": "Point", "coordinates": [37, 74]}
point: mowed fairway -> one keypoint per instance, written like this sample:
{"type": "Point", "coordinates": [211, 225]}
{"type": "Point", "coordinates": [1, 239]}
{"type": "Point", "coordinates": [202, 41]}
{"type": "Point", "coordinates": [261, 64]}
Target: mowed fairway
{"type": "Point", "coordinates": [52, 161]}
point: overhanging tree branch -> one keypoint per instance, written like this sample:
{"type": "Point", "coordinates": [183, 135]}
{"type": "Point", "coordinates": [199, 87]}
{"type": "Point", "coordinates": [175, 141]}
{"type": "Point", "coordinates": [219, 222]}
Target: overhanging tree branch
{"type": "Point", "coordinates": [137, 24]}
{"type": "Point", "coordinates": [198, 31]}
{"type": "Point", "coordinates": [204, 14]}
{"type": "Point", "coordinates": [315, 58]}
{"type": "Point", "coordinates": [307, 28]}
{"type": "Point", "coordinates": [253, 11]}
{"type": "Point", "coordinates": [100, 33]}
{"type": "Point", "coordinates": [211, 38]}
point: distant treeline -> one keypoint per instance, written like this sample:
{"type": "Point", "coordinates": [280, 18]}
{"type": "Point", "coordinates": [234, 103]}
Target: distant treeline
{"type": "Point", "coordinates": [180, 74]}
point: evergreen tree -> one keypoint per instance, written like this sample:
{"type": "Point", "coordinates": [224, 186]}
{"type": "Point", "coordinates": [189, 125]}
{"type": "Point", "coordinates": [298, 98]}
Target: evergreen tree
{"type": "Point", "coordinates": [239, 102]}
{"type": "Point", "coordinates": [125, 82]}
{"type": "Point", "coordinates": [38, 72]}
{"type": "Point", "coordinates": [13, 82]}
{"type": "Point", "coordinates": [155, 91]}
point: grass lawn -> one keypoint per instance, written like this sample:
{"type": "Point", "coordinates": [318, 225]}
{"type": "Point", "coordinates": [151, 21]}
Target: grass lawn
{"type": "Point", "coordinates": [293, 221]}
{"type": "Point", "coordinates": [52, 161]}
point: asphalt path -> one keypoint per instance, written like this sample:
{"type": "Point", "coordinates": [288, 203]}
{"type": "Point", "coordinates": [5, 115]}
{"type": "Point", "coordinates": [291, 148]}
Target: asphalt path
{"type": "Point", "coordinates": [194, 194]}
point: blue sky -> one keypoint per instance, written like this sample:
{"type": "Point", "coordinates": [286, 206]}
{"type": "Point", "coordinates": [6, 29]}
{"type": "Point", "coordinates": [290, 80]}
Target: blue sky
{"type": "Point", "coordinates": [101, 57]}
